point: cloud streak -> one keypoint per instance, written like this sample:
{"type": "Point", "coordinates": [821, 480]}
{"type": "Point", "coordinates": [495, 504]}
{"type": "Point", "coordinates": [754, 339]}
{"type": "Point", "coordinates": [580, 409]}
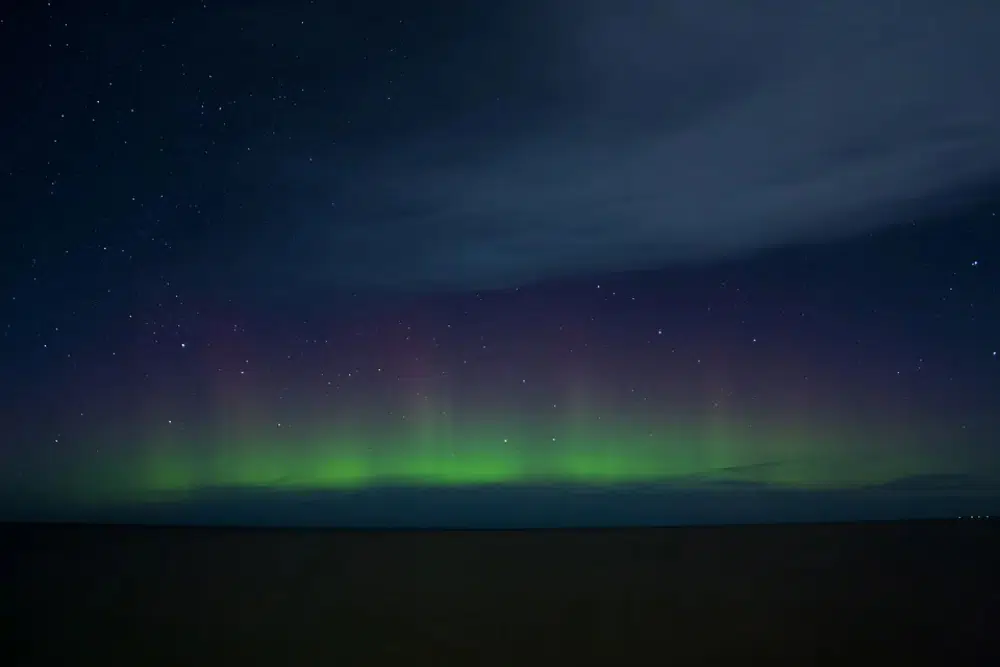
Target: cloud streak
{"type": "Point", "coordinates": [648, 133]}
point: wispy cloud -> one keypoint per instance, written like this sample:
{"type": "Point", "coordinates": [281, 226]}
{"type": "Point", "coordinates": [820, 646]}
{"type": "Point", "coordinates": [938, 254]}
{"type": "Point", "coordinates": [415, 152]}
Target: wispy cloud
{"type": "Point", "coordinates": [671, 132]}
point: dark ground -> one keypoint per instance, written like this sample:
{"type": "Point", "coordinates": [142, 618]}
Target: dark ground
{"type": "Point", "coordinates": [794, 594]}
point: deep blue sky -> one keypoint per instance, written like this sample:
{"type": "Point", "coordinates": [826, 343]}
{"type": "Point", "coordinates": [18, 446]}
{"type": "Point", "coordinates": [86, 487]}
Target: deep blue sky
{"type": "Point", "coordinates": [786, 214]}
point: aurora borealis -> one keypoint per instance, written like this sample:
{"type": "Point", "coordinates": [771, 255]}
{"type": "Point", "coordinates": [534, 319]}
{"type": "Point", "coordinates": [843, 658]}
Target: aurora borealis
{"type": "Point", "coordinates": [578, 385]}
{"type": "Point", "coordinates": [313, 253]}
{"type": "Point", "coordinates": [589, 454]}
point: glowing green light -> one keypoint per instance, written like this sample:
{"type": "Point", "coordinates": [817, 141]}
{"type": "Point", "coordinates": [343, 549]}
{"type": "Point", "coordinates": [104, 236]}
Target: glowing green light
{"type": "Point", "coordinates": [489, 455]}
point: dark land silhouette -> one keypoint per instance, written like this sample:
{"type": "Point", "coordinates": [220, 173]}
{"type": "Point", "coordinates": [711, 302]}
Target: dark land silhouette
{"type": "Point", "coordinates": [763, 595]}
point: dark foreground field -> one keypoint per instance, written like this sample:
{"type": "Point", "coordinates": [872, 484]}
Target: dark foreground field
{"type": "Point", "coordinates": [795, 594]}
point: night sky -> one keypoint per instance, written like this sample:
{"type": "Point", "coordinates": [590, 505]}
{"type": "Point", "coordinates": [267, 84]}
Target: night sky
{"type": "Point", "coordinates": [516, 263]}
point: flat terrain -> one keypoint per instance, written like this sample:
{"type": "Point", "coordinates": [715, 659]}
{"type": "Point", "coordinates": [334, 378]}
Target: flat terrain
{"type": "Point", "coordinates": [794, 594]}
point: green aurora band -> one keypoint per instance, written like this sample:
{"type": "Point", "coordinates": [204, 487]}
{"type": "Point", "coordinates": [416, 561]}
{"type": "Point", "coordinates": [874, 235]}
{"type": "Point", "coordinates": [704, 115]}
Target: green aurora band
{"type": "Point", "coordinates": [170, 467]}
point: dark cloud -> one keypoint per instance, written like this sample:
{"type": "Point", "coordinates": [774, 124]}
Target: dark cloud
{"type": "Point", "coordinates": [945, 483]}
{"type": "Point", "coordinates": [654, 132]}
{"type": "Point", "coordinates": [527, 506]}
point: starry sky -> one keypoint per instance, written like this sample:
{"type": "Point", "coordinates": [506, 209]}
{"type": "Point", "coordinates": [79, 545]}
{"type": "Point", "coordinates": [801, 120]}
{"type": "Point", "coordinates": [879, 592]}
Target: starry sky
{"type": "Point", "coordinates": [559, 262]}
